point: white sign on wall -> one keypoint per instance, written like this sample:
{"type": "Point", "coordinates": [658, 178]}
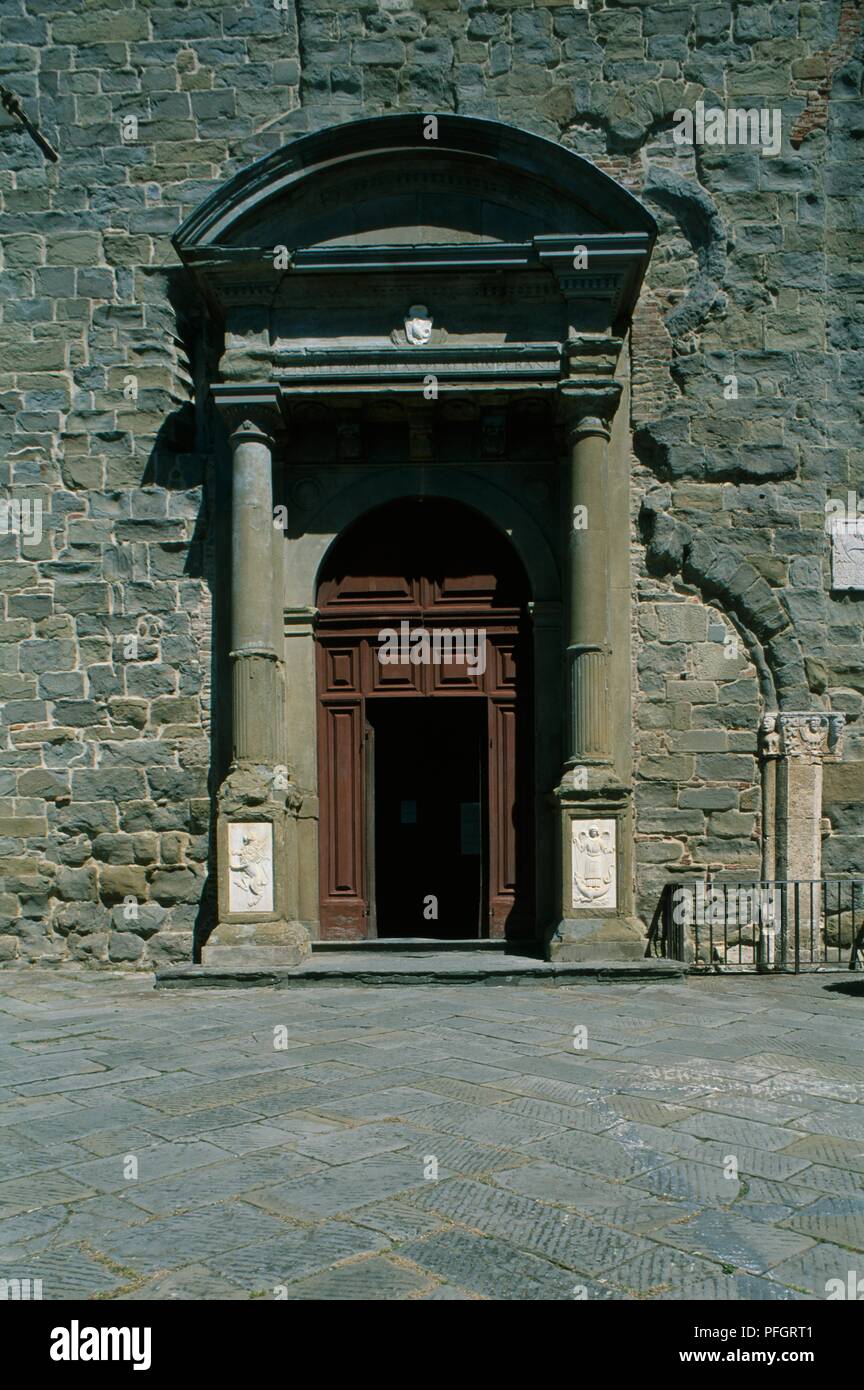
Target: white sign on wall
{"type": "Point", "coordinates": [594, 863]}
{"type": "Point", "coordinates": [250, 866]}
{"type": "Point", "coordinates": [847, 553]}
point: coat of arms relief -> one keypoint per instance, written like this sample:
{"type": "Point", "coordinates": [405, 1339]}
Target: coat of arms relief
{"type": "Point", "coordinates": [250, 866]}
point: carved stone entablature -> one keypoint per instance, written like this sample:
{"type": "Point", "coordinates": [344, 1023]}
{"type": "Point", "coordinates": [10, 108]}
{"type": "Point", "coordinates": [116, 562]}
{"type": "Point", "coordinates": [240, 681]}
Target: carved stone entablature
{"type": "Point", "coordinates": [811, 736]}
{"type": "Point", "coordinates": [407, 369]}
{"type": "Point", "coordinates": [584, 357]}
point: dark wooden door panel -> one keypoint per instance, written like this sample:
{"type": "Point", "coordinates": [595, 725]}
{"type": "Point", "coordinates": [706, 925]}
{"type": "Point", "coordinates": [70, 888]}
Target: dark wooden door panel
{"type": "Point", "coordinates": [436, 566]}
{"type": "Point", "coordinates": [343, 905]}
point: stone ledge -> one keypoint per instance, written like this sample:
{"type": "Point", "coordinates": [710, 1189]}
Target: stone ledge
{"type": "Point", "coordinates": [426, 969]}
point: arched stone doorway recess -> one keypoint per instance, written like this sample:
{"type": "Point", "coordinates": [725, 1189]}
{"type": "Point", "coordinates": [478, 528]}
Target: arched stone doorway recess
{"type": "Point", "coordinates": [424, 681]}
{"type": "Point", "coordinates": [447, 300]}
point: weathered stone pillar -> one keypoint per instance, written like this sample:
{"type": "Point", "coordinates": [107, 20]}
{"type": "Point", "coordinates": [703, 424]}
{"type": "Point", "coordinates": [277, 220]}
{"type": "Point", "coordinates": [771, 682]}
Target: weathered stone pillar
{"type": "Point", "coordinates": [794, 747]}
{"type": "Point", "coordinates": [595, 808]}
{"type": "Point", "coordinates": [806, 741]}
{"type": "Point", "coordinates": [769, 753]}
{"type": "Point", "coordinates": [256, 663]}
{"type": "Point", "coordinates": [258, 801]}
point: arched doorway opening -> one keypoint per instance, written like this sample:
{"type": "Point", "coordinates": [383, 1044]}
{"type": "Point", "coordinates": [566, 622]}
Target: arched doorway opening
{"type": "Point", "coordinates": [424, 728]}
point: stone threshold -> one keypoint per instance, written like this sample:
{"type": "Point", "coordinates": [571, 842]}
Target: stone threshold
{"type": "Point", "coordinates": [419, 968]}
{"type": "Point", "coordinates": [423, 943]}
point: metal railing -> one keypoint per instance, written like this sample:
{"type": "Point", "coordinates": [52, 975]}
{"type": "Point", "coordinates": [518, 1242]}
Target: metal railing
{"type": "Point", "coordinates": [794, 925]}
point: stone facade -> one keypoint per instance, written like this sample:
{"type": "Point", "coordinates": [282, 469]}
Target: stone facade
{"type": "Point", "coordinates": [747, 364]}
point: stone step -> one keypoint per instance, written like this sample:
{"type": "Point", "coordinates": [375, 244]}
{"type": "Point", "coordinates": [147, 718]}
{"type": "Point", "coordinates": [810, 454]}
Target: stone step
{"type": "Point", "coordinates": [417, 967]}
{"type": "Point", "coordinates": [412, 943]}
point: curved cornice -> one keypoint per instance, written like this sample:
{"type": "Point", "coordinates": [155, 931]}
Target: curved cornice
{"type": "Point", "coordinates": [506, 147]}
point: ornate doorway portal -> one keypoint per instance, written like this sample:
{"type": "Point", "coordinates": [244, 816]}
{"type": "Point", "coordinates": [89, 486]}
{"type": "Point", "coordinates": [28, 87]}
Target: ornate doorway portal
{"type": "Point", "coordinates": [397, 317]}
{"type": "Point", "coordinates": [424, 734]}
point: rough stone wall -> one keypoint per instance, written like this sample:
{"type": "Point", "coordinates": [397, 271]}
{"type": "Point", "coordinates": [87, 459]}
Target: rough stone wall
{"type": "Point", "coordinates": [104, 744]}
{"type": "Point", "coordinates": [698, 796]}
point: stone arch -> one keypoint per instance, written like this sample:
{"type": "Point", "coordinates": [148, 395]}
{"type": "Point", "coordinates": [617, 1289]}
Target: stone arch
{"type": "Point", "coordinates": [505, 512]}
{"type": "Point", "coordinates": [674, 548]}
{"type": "Point", "coordinates": [699, 219]}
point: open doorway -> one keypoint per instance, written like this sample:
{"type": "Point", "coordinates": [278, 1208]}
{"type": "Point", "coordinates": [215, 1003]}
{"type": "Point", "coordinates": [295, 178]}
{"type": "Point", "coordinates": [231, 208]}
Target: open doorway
{"type": "Point", "coordinates": [424, 764]}
{"type": "Point", "coordinates": [427, 837]}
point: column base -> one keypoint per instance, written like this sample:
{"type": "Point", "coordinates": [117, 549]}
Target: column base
{"type": "Point", "coordinates": [597, 939]}
{"type": "Point", "coordinates": [246, 944]}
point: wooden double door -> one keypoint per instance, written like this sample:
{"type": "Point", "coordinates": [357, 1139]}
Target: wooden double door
{"type": "Point", "coordinates": [424, 731]}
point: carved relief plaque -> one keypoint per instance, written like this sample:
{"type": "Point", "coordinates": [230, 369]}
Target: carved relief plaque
{"type": "Point", "coordinates": [250, 866]}
{"type": "Point", "coordinates": [847, 554]}
{"type": "Point", "coordinates": [594, 863]}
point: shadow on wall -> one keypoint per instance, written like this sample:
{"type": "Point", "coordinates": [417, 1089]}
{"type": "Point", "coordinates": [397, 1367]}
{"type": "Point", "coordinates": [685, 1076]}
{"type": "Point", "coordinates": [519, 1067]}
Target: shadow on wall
{"type": "Point", "coordinates": [183, 464]}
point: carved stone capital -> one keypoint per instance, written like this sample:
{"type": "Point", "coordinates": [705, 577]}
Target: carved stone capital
{"type": "Point", "coordinates": [588, 407]}
{"type": "Point", "coordinates": [251, 413]}
{"type": "Point", "coordinates": [811, 736]}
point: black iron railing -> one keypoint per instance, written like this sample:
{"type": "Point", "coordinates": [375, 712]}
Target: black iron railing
{"type": "Point", "coordinates": [792, 925]}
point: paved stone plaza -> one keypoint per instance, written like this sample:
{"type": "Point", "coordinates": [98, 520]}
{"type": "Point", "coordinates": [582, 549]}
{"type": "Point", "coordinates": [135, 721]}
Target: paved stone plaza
{"type": "Point", "coordinates": [286, 1142]}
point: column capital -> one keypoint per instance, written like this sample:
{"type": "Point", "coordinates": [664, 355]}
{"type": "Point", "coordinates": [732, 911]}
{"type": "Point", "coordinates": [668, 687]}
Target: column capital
{"type": "Point", "coordinates": [587, 407]}
{"type": "Point", "coordinates": [250, 412]}
{"type": "Point", "coordinates": [811, 735]}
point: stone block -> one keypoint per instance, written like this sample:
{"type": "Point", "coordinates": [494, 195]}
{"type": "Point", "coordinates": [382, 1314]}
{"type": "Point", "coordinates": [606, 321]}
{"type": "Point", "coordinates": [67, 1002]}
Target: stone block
{"type": "Point", "coordinates": [676, 767]}
{"type": "Point", "coordinates": [682, 622]}
{"type": "Point", "coordinates": [726, 767]}
{"type": "Point", "coordinates": [170, 885]}
{"type": "Point", "coordinates": [698, 741]}
{"type": "Point", "coordinates": [123, 946]}
{"type": "Point", "coordinates": [118, 881]}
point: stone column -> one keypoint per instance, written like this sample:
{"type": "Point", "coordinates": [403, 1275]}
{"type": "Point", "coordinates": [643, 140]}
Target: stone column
{"type": "Point", "coordinates": [595, 810]}
{"type": "Point", "coordinates": [769, 754]}
{"type": "Point", "coordinates": [587, 586]}
{"type": "Point", "coordinates": [258, 801]}
{"type": "Point", "coordinates": [256, 662]}
{"type": "Point", "coordinates": [795, 746]}
{"type": "Point", "coordinates": [806, 741]}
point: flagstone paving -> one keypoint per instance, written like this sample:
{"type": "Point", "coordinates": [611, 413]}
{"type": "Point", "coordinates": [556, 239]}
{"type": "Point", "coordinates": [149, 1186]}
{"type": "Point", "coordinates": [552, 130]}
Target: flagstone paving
{"type": "Point", "coordinates": [707, 1142]}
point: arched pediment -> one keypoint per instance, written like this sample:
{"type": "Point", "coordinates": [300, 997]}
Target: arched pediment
{"type": "Point", "coordinates": [382, 181]}
{"type": "Point", "coordinates": [509, 246]}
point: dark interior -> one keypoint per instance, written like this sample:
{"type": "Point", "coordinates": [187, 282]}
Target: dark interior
{"type": "Point", "coordinates": [429, 803]}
